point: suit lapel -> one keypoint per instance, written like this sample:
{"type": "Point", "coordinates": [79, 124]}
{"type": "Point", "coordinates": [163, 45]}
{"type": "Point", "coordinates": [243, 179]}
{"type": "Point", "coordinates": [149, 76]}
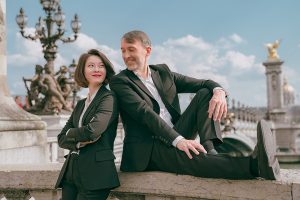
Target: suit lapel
{"type": "Point", "coordinates": [139, 83]}
{"type": "Point", "coordinates": [159, 86]}
{"type": "Point", "coordinates": [157, 82]}
{"type": "Point", "coordinates": [93, 103]}
{"type": "Point", "coordinates": [78, 112]}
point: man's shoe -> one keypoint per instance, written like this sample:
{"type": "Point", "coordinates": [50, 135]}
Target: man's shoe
{"type": "Point", "coordinates": [268, 166]}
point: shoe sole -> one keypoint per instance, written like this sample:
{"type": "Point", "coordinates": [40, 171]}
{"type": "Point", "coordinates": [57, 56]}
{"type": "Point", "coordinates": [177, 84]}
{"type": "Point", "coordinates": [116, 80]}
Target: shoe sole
{"type": "Point", "coordinates": [268, 164]}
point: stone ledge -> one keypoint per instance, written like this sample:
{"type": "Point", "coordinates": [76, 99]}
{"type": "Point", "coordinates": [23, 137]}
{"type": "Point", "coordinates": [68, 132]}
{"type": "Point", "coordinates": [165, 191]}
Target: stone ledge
{"type": "Point", "coordinates": [189, 187]}
{"type": "Point", "coordinates": [160, 185]}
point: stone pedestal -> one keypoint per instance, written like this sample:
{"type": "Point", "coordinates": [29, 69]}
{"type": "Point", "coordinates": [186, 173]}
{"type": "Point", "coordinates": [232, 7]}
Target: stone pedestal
{"type": "Point", "coordinates": [277, 115]}
{"type": "Point", "coordinates": [274, 85]}
{"type": "Point", "coordinates": [286, 135]}
{"type": "Point", "coordinates": [22, 135]}
{"type": "Point", "coordinates": [55, 123]}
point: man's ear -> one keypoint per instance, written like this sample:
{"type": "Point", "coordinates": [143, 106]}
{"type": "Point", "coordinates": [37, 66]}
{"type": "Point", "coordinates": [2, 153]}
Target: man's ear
{"type": "Point", "coordinates": [148, 50]}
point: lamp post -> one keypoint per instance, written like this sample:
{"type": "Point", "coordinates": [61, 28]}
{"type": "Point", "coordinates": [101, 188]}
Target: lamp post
{"type": "Point", "coordinates": [44, 30]}
{"type": "Point", "coordinates": [75, 87]}
{"type": "Point", "coordinates": [48, 30]}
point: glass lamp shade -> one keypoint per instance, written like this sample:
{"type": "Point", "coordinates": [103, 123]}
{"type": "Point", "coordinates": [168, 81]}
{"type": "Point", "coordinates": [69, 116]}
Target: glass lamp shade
{"type": "Point", "coordinates": [46, 4]}
{"type": "Point", "coordinates": [55, 4]}
{"type": "Point", "coordinates": [72, 68]}
{"type": "Point", "coordinates": [59, 17]}
{"type": "Point", "coordinates": [21, 19]}
{"type": "Point", "coordinates": [39, 26]}
{"type": "Point", "coordinates": [75, 24]}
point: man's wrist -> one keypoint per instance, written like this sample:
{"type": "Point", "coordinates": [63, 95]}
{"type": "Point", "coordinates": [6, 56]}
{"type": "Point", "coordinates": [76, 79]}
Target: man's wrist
{"type": "Point", "coordinates": [175, 142]}
{"type": "Point", "coordinates": [220, 88]}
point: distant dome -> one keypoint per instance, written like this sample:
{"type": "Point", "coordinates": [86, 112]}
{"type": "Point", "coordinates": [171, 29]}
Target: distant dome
{"type": "Point", "coordinates": [293, 114]}
{"type": "Point", "coordinates": [288, 88]}
{"type": "Point", "coordinates": [288, 93]}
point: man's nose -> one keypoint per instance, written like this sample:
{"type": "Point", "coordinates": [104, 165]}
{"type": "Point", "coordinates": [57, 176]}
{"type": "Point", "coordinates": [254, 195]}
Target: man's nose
{"type": "Point", "coordinates": [125, 55]}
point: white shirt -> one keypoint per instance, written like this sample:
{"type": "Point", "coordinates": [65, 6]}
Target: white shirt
{"type": "Point", "coordinates": [163, 112]}
{"type": "Point", "coordinates": [88, 101]}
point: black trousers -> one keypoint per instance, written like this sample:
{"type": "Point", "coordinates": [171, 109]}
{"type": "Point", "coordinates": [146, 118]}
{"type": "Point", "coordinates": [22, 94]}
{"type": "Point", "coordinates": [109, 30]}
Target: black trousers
{"type": "Point", "coordinates": [72, 187]}
{"type": "Point", "coordinates": [192, 122]}
{"type": "Point", "coordinates": [195, 120]}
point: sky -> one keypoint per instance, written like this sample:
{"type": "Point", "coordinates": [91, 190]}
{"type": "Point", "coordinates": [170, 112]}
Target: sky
{"type": "Point", "coordinates": [219, 40]}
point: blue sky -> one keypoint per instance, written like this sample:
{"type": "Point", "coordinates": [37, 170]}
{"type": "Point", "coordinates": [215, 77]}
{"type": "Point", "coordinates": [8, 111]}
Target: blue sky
{"type": "Point", "coordinates": [219, 40]}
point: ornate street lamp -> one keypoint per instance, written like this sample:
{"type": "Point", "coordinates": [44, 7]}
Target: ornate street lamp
{"type": "Point", "coordinates": [48, 31]}
{"type": "Point", "coordinates": [75, 87]}
{"type": "Point", "coordinates": [45, 30]}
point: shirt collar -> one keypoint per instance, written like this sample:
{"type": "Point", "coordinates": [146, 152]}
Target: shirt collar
{"type": "Point", "coordinates": [89, 98]}
{"type": "Point", "coordinates": [141, 78]}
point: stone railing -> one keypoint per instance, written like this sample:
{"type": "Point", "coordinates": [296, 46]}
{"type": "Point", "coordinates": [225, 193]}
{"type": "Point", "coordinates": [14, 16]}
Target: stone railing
{"type": "Point", "coordinates": [55, 154]}
{"type": "Point", "coordinates": [20, 182]}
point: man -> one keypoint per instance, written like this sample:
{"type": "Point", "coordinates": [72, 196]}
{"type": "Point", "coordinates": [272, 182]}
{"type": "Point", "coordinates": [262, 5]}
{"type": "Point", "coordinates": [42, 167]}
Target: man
{"type": "Point", "coordinates": [159, 137]}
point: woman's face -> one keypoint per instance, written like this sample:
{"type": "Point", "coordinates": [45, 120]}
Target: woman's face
{"type": "Point", "coordinates": [94, 71]}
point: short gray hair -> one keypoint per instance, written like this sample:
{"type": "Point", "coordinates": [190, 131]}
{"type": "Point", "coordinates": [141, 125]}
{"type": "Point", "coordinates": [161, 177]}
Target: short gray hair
{"type": "Point", "coordinates": [141, 36]}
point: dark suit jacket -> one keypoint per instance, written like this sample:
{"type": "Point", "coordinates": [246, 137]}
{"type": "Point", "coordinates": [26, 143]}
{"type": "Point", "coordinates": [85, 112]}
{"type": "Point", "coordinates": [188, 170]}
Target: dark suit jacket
{"type": "Point", "coordinates": [96, 161]}
{"type": "Point", "coordinates": [140, 111]}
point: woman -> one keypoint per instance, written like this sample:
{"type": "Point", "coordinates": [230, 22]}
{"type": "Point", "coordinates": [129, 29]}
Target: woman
{"type": "Point", "coordinates": [89, 171]}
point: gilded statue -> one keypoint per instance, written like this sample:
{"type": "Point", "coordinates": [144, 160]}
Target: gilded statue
{"type": "Point", "coordinates": [272, 50]}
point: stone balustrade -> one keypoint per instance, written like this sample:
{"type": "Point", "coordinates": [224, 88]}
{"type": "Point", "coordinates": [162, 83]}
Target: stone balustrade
{"type": "Point", "coordinates": [55, 154]}
{"type": "Point", "coordinates": [35, 182]}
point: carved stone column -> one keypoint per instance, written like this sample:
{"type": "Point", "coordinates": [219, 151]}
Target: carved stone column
{"type": "Point", "coordinates": [274, 84]}
{"type": "Point", "coordinates": [3, 71]}
{"type": "Point", "coordinates": [23, 135]}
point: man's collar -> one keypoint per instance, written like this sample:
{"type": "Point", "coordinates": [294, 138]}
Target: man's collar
{"type": "Point", "coordinates": [148, 75]}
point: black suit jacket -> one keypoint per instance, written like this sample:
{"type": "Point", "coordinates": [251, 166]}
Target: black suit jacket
{"type": "Point", "coordinates": [96, 160]}
{"type": "Point", "coordinates": [140, 111]}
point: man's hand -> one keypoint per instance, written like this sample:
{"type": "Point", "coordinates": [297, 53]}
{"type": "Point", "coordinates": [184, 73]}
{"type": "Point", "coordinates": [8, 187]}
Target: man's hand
{"type": "Point", "coordinates": [217, 105]}
{"type": "Point", "coordinates": [187, 145]}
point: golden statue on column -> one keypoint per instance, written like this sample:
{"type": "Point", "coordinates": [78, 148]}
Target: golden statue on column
{"type": "Point", "coordinates": [272, 50]}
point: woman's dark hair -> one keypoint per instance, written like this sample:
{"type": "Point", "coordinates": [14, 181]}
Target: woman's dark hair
{"type": "Point", "coordinates": [79, 72]}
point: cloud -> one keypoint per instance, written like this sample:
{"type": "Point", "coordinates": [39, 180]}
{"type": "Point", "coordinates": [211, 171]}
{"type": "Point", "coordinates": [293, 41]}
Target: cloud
{"type": "Point", "coordinates": [189, 41]}
{"type": "Point", "coordinates": [236, 38]}
{"type": "Point", "coordinates": [84, 42]}
{"type": "Point", "coordinates": [239, 60]}
{"type": "Point", "coordinates": [230, 42]}
{"type": "Point", "coordinates": [196, 57]}
{"type": "Point", "coordinates": [29, 53]}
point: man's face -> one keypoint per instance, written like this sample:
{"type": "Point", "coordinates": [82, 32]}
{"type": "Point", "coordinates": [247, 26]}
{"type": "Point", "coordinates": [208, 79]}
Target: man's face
{"type": "Point", "coordinates": [134, 54]}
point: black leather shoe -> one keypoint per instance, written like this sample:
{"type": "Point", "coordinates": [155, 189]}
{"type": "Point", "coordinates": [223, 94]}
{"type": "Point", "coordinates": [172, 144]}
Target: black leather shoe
{"type": "Point", "coordinates": [265, 150]}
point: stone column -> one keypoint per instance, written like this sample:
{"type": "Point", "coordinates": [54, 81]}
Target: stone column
{"type": "Point", "coordinates": [274, 85]}
{"type": "Point", "coordinates": [3, 71]}
{"type": "Point", "coordinates": [23, 136]}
